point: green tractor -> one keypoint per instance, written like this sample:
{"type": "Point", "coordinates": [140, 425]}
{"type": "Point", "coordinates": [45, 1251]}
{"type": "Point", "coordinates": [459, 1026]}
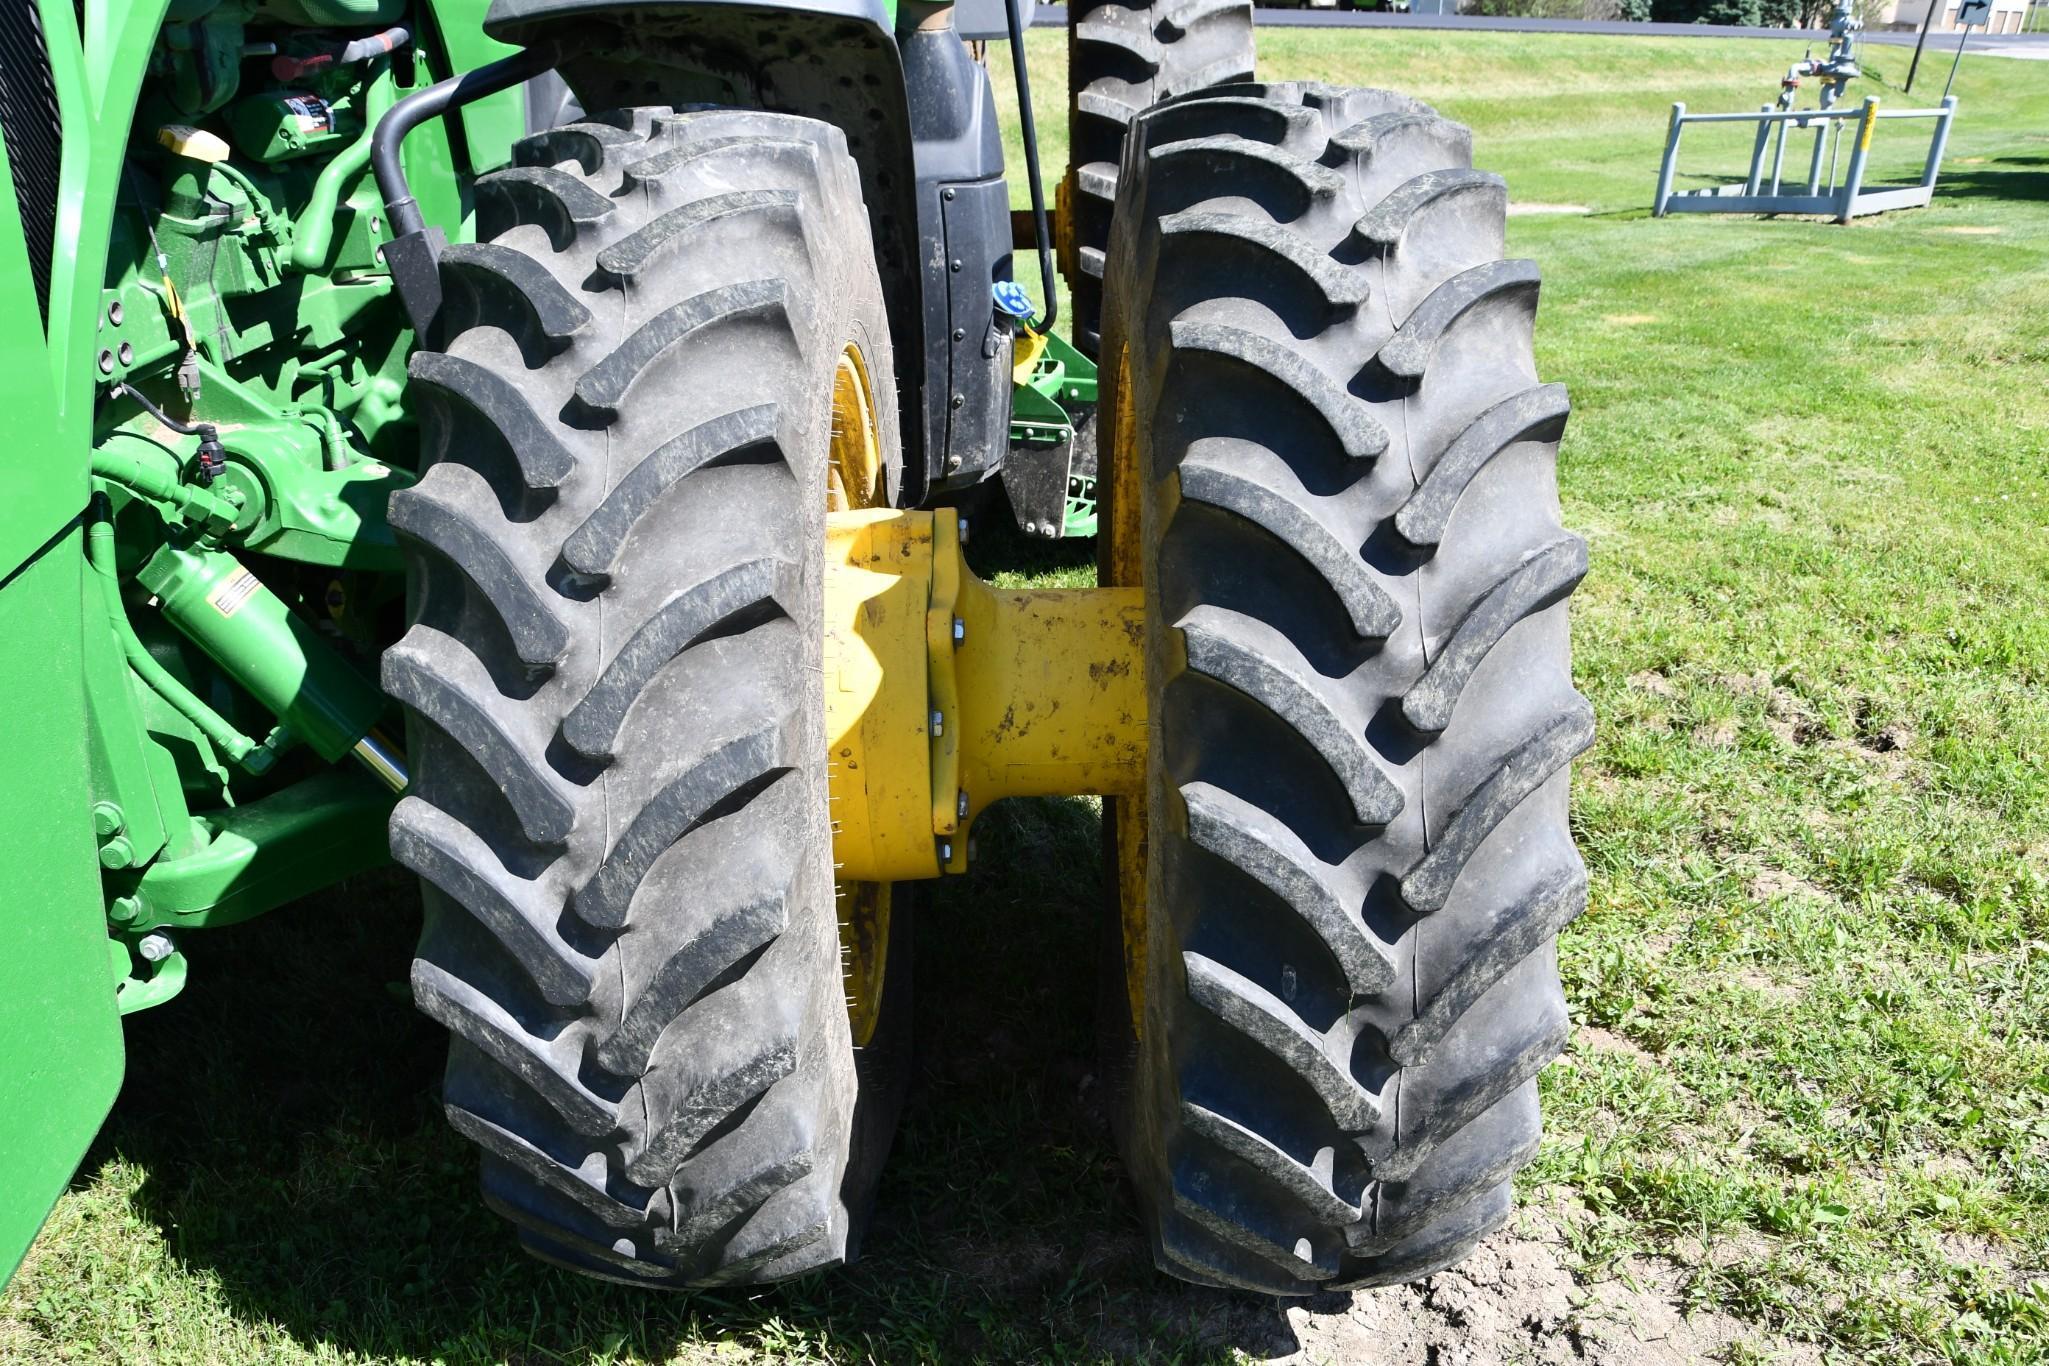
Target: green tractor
{"type": "Point", "coordinates": [531, 443]}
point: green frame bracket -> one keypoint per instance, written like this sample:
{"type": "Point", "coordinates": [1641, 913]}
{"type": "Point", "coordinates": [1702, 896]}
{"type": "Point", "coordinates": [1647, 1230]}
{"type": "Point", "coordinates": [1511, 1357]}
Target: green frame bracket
{"type": "Point", "coordinates": [1050, 382]}
{"type": "Point", "coordinates": [263, 854]}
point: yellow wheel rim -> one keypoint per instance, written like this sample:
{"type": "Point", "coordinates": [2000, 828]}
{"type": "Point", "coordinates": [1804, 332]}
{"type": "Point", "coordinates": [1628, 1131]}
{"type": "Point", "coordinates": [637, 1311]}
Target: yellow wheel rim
{"type": "Point", "coordinates": [1120, 566]}
{"type": "Point", "coordinates": [855, 479]}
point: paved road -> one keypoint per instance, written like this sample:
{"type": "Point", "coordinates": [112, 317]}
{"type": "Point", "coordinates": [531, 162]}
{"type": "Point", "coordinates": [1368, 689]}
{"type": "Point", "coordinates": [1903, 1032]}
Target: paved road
{"type": "Point", "coordinates": [2026, 45]}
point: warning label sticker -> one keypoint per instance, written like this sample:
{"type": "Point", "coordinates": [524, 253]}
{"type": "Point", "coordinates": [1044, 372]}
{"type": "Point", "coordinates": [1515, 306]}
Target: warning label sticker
{"type": "Point", "coordinates": [315, 115]}
{"type": "Point", "coordinates": [229, 598]}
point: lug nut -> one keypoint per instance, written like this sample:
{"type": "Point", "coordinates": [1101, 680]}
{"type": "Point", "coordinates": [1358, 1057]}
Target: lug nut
{"type": "Point", "coordinates": [117, 853]}
{"type": "Point", "coordinates": [106, 818]}
{"type": "Point", "coordinates": [960, 807]}
{"type": "Point", "coordinates": [945, 851]}
{"type": "Point", "coordinates": [155, 948]}
{"type": "Point", "coordinates": [125, 910]}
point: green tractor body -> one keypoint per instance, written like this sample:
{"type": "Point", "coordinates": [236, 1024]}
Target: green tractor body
{"type": "Point", "coordinates": [298, 354]}
{"type": "Point", "coordinates": [417, 464]}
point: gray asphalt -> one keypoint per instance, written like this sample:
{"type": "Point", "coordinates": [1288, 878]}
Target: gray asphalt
{"type": "Point", "coordinates": [2025, 45]}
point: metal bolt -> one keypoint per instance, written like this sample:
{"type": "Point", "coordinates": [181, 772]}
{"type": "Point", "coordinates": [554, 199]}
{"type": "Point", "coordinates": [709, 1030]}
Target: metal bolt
{"type": "Point", "coordinates": [946, 194]}
{"type": "Point", "coordinates": [946, 851]}
{"type": "Point", "coordinates": [106, 362]}
{"type": "Point", "coordinates": [106, 818]}
{"type": "Point", "coordinates": [126, 910]}
{"type": "Point", "coordinates": [960, 334]}
{"type": "Point", "coordinates": [155, 948]}
{"type": "Point", "coordinates": [126, 353]}
{"type": "Point", "coordinates": [376, 225]}
{"type": "Point", "coordinates": [1049, 531]}
{"type": "Point", "coordinates": [960, 630]}
{"type": "Point", "coordinates": [960, 400]}
{"type": "Point", "coordinates": [117, 853]}
{"type": "Point", "coordinates": [954, 265]}
{"type": "Point", "coordinates": [963, 531]}
{"type": "Point", "coordinates": [938, 724]}
{"type": "Point", "coordinates": [952, 463]}
{"type": "Point", "coordinates": [960, 805]}
{"type": "Point", "coordinates": [1031, 528]}
{"type": "Point", "coordinates": [114, 312]}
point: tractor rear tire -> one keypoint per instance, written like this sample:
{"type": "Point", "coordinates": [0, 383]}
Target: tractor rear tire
{"type": "Point", "coordinates": [1333, 469]}
{"type": "Point", "coordinates": [1120, 59]}
{"type": "Point", "coordinates": [613, 688]}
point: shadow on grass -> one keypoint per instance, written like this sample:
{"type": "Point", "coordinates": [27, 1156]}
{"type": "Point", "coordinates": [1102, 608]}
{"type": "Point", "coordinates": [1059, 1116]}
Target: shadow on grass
{"type": "Point", "coordinates": [2013, 178]}
{"type": "Point", "coordinates": [284, 1111]}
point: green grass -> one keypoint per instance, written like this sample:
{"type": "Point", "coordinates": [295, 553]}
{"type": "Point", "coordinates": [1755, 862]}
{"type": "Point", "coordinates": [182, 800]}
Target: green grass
{"type": "Point", "coordinates": [1811, 1083]}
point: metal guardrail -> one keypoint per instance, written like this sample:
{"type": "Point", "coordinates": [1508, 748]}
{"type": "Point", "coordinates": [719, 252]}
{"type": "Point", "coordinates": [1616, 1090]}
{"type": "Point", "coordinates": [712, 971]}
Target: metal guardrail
{"type": "Point", "coordinates": [1761, 191]}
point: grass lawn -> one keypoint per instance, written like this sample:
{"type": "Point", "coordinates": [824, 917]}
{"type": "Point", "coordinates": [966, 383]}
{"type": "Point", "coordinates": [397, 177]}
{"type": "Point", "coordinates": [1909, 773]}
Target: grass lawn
{"type": "Point", "coordinates": [1806, 1114]}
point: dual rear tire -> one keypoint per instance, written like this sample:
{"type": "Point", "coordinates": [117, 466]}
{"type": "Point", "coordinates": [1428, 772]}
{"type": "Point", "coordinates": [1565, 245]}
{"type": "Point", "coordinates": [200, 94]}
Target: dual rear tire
{"type": "Point", "coordinates": [1334, 475]}
{"type": "Point", "coordinates": [632, 410]}
{"type": "Point", "coordinates": [1330, 466]}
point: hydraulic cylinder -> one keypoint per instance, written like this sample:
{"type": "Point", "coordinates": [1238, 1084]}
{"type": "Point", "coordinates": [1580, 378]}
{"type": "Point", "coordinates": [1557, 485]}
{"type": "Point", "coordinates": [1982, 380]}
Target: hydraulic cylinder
{"type": "Point", "coordinates": [245, 628]}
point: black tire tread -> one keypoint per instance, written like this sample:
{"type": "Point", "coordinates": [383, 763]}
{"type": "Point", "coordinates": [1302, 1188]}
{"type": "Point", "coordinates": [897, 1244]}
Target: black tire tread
{"type": "Point", "coordinates": [1122, 58]}
{"type": "Point", "coordinates": [1360, 679]}
{"type": "Point", "coordinates": [618, 811]}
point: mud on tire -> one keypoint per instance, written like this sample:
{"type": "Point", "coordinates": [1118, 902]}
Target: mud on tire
{"type": "Point", "coordinates": [1347, 524]}
{"type": "Point", "coordinates": [612, 681]}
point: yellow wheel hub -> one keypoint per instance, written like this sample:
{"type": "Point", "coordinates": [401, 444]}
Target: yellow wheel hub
{"type": "Point", "coordinates": [943, 694]}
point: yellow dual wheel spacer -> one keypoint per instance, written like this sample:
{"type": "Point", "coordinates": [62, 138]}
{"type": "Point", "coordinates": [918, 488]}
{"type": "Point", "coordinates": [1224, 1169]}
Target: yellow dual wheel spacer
{"type": "Point", "coordinates": [943, 695]}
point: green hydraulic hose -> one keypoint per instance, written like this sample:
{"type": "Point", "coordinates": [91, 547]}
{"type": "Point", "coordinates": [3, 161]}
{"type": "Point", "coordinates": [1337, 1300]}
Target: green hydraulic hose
{"type": "Point", "coordinates": [316, 225]}
{"type": "Point", "coordinates": [241, 749]}
{"type": "Point", "coordinates": [197, 505]}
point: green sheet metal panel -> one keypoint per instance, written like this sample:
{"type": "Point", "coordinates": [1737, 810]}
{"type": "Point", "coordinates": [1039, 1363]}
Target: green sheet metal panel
{"type": "Point", "coordinates": [60, 1033]}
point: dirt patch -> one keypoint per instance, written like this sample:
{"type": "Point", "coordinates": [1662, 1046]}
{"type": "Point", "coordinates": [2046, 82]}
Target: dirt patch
{"type": "Point", "coordinates": [1594, 1039]}
{"type": "Point", "coordinates": [1774, 884]}
{"type": "Point", "coordinates": [1533, 210]}
{"type": "Point", "coordinates": [1971, 230]}
{"type": "Point", "coordinates": [1513, 1300]}
{"type": "Point", "coordinates": [1720, 734]}
{"type": "Point", "coordinates": [1779, 993]}
{"type": "Point", "coordinates": [1656, 684]}
{"type": "Point", "coordinates": [1628, 319]}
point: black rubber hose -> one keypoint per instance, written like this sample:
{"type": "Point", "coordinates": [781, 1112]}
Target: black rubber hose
{"type": "Point", "coordinates": [124, 390]}
{"type": "Point", "coordinates": [1044, 238]}
{"type": "Point", "coordinates": [409, 113]}
{"type": "Point", "coordinates": [376, 45]}
{"type": "Point", "coordinates": [289, 68]}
